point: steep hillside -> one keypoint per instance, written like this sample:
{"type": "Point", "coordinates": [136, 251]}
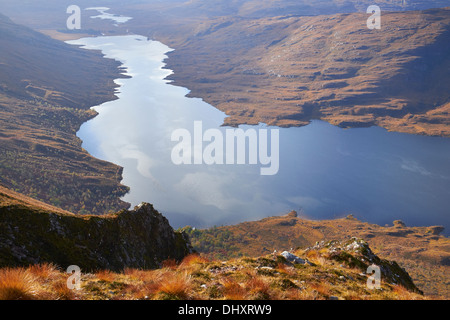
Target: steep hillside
{"type": "Point", "coordinates": [335, 272]}
{"type": "Point", "coordinates": [38, 242]}
{"type": "Point", "coordinates": [286, 62]}
{"type": "Point", "coordinates": [33, 65]}
{"type": "Point", "coordinates": [34, 233]}
{"type": "Point", "coordinates": [289, 70]}
{"type": "Point", "coordinates": [46, 90]}
{"type": "Point", "coordinates": [421, 250]}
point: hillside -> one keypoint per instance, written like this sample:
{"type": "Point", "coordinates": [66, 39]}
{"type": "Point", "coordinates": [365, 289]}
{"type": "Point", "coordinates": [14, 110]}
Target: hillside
{"type": "Point", "coordinates": [46, 90]}
{"type": "Point", "coordinates": [115, 253]}
{"type": "Point", "coordinates": [421, 250]}
{"type": "Point", "coordinates": [287, 62]}
{"type": "Point", "coordinates": [332, 273]}
{"type": "Point", "coordinates": [34, 233]}
{"type": "Point", "coordinates": [288, 70]}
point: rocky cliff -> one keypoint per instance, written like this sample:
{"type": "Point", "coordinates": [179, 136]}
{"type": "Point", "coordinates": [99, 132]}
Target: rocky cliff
{"type": "Point", "coordinates": [139, 238]}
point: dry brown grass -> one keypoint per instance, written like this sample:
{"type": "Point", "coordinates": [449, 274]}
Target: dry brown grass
{"type": "Point", "coordinates": [193, 260]}
{"type": "Point", "coordinates": [194, 278]}
{"type": "Point", "coordinates": [257, 287]}
{"type": "Point", "coordinates": [173, 285]}
{"type": "Point", "coordinates": [321, 288]}
{"type": "Point", "coordinates": [44, 272]}
{"type": "Point", "coordinates": [284, 269]}
{"type": "Point", "coordinates": [312, 254]}
{"type": "Point", "coordinates": [402, 293]}
{"type": "Point", "coordinates": [143, 275]}
{"type": "Point", "coordinates": [60, 291]}
{"type": "Point", "coordinates": [105, 275]}
{"type": "Point", "coordinates": [316, 257]}
{"type": "Point", "coordinates": [232, 290]}
{"type": "Point", "coordinates": [351, 296]}
{"type": "Point", "coordinates": [16, 284]}
{"type": "Point", "coordinates": [299, 294]}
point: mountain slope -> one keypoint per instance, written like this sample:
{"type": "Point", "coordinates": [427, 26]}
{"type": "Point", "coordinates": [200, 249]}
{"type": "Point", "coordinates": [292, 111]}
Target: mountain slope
{"type": "Point", "coordinates": [335, 271]}
{"type": "Point", "coordinates": [289, 70]}
{"type": "Point", "coordinates": [46, 90]}
{"type": "Point", "coordinates": [32, 232]}
{"type": "Point", "coordinates": [33, 65]}
{"type": "Point", "coordinates": [38, 242]}
{"type": "Point", "coordinates": [423, 251]}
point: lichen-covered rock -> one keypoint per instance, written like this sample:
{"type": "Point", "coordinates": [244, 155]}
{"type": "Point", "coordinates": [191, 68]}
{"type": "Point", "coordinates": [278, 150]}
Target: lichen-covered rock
{"type": "Point", "coordinates": [294, 259]}
{"type": "Point", "coordinates": [139, 238]}
{"type": "Point", "coordinates": [356, 253]}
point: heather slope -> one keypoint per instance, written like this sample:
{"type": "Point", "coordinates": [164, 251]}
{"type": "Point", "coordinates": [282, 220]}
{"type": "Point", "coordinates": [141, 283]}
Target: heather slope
{"type": "Point", "coordinates": [289, 70]}
{"type": "Point", "coordinates": [423, 251]}
{"type": "Point", "coordinates": [38, 242]}
{"type": "Point", "coordinates": [46, 90]}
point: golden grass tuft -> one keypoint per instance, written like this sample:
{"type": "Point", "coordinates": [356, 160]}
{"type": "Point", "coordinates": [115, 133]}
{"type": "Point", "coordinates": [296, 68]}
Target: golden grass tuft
{"type": "Point", "coordinates": [312, 254]}
{"type": "Point", "coordinates": [105, 275]}
{"type": "Point", "coordinates": [257, 288]}
{"type": "Point", "coordinates": [232, 290]}
{"type": "Point", "coordinates": [285, 269]}
{"type": "Point", "coordinates": [402, 293]}
{"type": "Point", "coordinates": [173, 286]}
{"type": "Point", "coordinates": [44, 272]}
{"type": "Point", "coordinates": [143, 275]}
{"type": "Point", "coordinates": [321, 288]}
{"type": "Point", "coordinates": [16, 284]}
{"type": "Point", "coordinates": [299, 294]}
{"type": "Point", "coordinates": [193, 259]}
{"type": "Point", "coordinates": [60, 291]}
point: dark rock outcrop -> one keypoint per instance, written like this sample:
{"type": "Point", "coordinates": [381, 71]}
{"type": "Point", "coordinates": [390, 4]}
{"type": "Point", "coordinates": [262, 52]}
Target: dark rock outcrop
{"type": "Point", "coordinates": [139, 238]}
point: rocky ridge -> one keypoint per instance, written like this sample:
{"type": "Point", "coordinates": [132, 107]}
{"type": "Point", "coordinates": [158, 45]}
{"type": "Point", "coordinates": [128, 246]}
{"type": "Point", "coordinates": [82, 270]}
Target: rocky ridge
{"type": "Point", "coordinates": [138, 238]}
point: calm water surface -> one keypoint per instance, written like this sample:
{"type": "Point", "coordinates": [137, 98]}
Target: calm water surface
{"type": "Point", "coordinates": [325, 171]}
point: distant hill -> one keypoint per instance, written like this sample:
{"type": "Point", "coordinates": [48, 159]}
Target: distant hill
{"type": "Point", "coordinates": [287, 62]}
{"type": "Point", "coordinates": [33, 65]}
{"type": "Point", "coordinates": [289, 70]}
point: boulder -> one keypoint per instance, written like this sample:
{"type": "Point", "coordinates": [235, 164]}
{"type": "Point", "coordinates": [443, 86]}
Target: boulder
{"type": "Point", "coordinates": [293, 258]}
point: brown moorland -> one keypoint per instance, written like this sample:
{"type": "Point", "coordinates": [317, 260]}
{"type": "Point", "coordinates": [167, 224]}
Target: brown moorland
{"type": "Point", "coordinates": [287, 71]}
{"type": "Point", "coordinates": [196, 278]}
{"type": "Point", "coordinates": [327, 270]}
{"type": "Point", "coordinates": [46, 90]}
{"type": "Point", "coordinates": [288, 62]}
{"type": "Point", "coordinates": [423, 251]}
